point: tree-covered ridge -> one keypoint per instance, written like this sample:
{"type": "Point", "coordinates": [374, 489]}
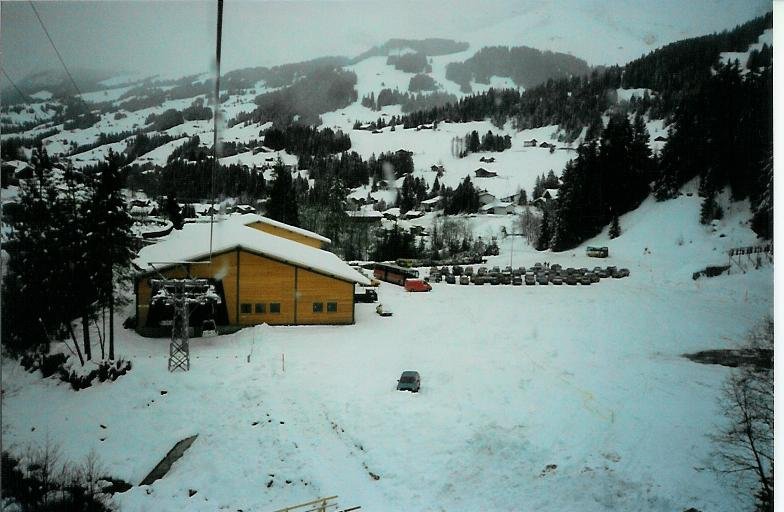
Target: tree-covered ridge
{"type": "Point", "coordinates": [307, 140]}
{"type": "Point", "coordinates": [609, 177]}
{"type": "Point", "coordinates": [410, 63]}
{"type": "Point", "coordinates": [430, 46]}
{"type": "Point", "coordinates": [579, 101]}
{"type": "Point", "coordinates": [684, 65]}
{"type": "Point", "coordinates": [409, 102]}
{"type": "Point", "coordinates": [276, 76]}
{"type": "Point", "coordinates": [527, 67]}
{"type": "Point", "coordinates": [323, 90]}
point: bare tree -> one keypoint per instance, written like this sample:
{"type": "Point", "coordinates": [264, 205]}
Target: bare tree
{"type": "Point", "coordinates": [530, 225]}
{"type": "Point", "coordinates": [745, 445]}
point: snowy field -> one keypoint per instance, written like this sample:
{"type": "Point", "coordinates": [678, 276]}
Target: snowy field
{"type": "Point", "coordinates": [533, 398]}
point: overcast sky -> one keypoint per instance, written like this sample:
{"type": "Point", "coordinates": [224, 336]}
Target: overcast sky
{"type": "Point", "coordinates": [178, 37]}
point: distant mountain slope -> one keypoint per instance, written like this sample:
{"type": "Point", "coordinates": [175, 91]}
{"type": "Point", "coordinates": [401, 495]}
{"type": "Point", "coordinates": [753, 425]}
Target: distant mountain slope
{"type": "Point", "coordinates": [429, 47]}
{"type": "Point", "coordinates": [527, 67]}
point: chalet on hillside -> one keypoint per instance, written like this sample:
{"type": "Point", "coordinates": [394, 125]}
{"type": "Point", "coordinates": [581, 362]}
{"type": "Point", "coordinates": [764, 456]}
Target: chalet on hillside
{"type": "Point", "coordinates": [487, 159]}
{"type": "Point", "coordinates": [365, 216]}
{"type": "Point", "coordinates": [486, 197]}
{"type": "Point", "coordinates": [412, 214]}
{"type": "Point", "coordinates": [530, 143]}
{"type": "Point", "coordinates": [259, 277]}
{"type": "Point", "coordinates": [514, 198]}
{"type": "Point", "coordinates": [497, 208]}
{"type": "Point", "coordinates": [484, 173]}
{"type": "Point", "coordinates": [548, 195]}
{"type": "Point", "coordinates": [391, 213]}
{"type": "Point", "coordinates": [403, 152]}
{"type": "Point", "coordinates": [437, 168]}
{"type": "Point", "coordinates": [429, 205]}
{"type": "Point", "coordinates": [546, 145]}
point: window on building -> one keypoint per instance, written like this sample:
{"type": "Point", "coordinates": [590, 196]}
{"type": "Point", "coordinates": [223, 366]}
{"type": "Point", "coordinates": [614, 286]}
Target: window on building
{"type": "Point", "coordinates": [332, 307]}
{"type": "Point", "coordinates": [318, 307]}
{"type": "Point", "coordinates": [261, 309]}
{"type": "Point", "coordinates": [275, 307]}
{"type": "Point", "coordinates": [245, 309]}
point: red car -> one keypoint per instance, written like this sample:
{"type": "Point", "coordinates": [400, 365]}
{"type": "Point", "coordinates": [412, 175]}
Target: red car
{"type": "Point", "coordinates": [417, 285]}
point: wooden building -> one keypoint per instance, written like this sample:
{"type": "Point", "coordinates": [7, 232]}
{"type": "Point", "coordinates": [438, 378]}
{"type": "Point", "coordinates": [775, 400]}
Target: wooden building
{"type": "Point", "coordinates": [260, 277]}
{"type": "Point", "coordinates": [484, 173]}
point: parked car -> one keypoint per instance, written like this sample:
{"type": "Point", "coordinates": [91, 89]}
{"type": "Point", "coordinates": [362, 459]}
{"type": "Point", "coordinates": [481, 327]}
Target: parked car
{"type": "Point", "coordinates": [445, 271]}
{"type": "Point", "coordinates": [457, 270]}
{"type": "Point", "coordinates": [366, 295]}
{"type": "Point", "coordinates": [530, 279]}
{"type": "Point", "coordinates": [409, 381]}
{"type": "Point", "coordinates": [621, 272]}
{"type": "Point", "coordinates": [450, 279]}
{"type": "Point", "coordinates": [557, 279]}
{"type": "Point", "coordinates": [506, 278]}
{"type": "Point", "coordinates": [602, 273]}
{"type": "Point", "coordinates": [555, 267]}
{"type": "Point", "coordinates": [541, 278]}
{"type": "Point", "coordinates": [482, 271]}
{"type": "Point", "coordinates": [519, 271]}
{"type": "Point", "coordinates": [586, 279]}
{"type": "Point", "coordinates": [418, 285]}
{"type": "Point", "coordinates": [469, 271]}
{"type": "Point", "coordinates": [594, 277]}
{"type": "Point", "coordinates": [479, 280]}
{"type": "Point", "coordinates": [465, 279]}
{"type": "Point", "coordinates": [571, 279]}
{"type": "Point", "coordinates": [494, 279]}
{"type": "Point", "coordinates": [495, 270]}
{"type": "Point", "coordinates": [517, 280]}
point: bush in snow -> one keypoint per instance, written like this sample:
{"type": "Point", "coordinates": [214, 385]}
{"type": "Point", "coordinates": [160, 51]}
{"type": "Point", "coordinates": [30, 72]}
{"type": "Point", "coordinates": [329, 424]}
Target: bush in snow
{"type": "Point", "coordinates": [58, 364]}
{"type": "Point", "coordinates": [39, 481]}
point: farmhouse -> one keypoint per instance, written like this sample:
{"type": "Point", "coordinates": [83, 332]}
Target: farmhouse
{"type": "Point", "coordinates": [484, 173]}
{"type": "Point", "coordinates": [548, 195]}
{"type": "Point", "coordinates": [260, 277]}
{"type": "Point", "coordinates": [486, 197]}
{"type": "Point", "coordinates": [430, 205]}
{"type": "Point", "coordinates": [497, 208]}
{"type": "Point", "coordinates": [529, 143]}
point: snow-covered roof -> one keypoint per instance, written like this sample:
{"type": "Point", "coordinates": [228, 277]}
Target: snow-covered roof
{"type": "Point", "coordinates": [250, 218]}
{"type": "Point", "coordinates": [497, 204]}
{"type": "Point", "coordinates": [365, 213]}
{"type": "Point", "coordinates": [552, 191]}
{"type": "Point", "coordinates": [192, 243]}
{"type": "Point", "coordinates": [434, 200]}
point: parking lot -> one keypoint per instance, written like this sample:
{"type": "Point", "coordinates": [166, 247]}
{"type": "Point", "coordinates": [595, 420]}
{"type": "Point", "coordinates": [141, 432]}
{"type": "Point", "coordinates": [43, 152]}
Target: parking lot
{"type": "Point", "coordinates": [537, 275]}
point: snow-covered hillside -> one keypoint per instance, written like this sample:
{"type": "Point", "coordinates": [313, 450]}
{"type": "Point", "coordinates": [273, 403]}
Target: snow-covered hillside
{"type": "Point", "coordinates": [564, 397]}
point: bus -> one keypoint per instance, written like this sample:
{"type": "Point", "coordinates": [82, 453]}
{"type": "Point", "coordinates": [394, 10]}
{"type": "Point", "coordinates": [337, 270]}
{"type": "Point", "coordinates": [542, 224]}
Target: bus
{"type": "Point", "coordinates": [393, 273]}
{"type": "Point", "coordinates": [597, 252]}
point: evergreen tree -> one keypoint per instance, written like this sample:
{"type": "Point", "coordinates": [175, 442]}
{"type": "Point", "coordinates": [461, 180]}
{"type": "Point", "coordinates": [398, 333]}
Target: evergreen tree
{"type": "Point", "coordinates": [111, 245]}
{"type": "Point", "coordinates": [173, 211]}
{"type": "Point", "coordinates": [282, 204]}
{"type": "Point", "coordinates": [615, 228]}
{"type": "Point", "coordinates": [543, 242]}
